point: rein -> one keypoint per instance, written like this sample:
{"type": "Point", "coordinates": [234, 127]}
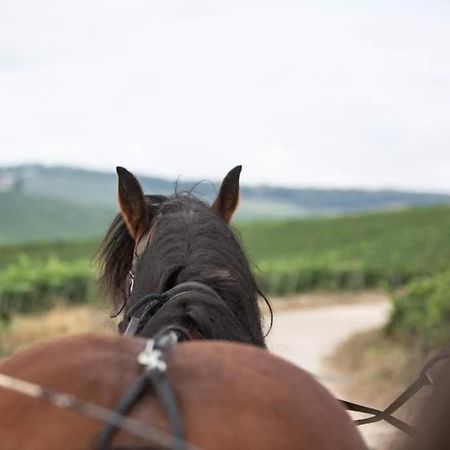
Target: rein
{"type": "Point", "coordinates": [424, 379]}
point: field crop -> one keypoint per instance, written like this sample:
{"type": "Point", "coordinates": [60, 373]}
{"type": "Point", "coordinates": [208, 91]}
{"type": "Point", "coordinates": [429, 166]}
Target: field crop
{"type": "Point", "coordinates": [27, 286]}
{"type": "Point", "coordinates": [364, 251]}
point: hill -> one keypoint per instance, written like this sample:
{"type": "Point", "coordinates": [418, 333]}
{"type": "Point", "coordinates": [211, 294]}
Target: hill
{"type": "Point", "coordinates": [41, 203]}
{"type": "Point", "coordinates": [26, 218]}
{"type": "Point", "coordinates": [88, 187]}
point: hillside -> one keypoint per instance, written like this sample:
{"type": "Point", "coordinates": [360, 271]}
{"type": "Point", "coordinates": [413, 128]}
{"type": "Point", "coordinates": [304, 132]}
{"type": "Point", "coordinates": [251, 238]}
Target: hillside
{"type": "Point", "coordinates": [99, 188]}
{"type": "Point", "coordinates": [26, 218]}
{"type": "Point", "coordinates": [42, 203]}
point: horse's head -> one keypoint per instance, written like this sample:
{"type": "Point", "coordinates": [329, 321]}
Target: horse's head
{"type": "Point", "coordinates": [177, 260]}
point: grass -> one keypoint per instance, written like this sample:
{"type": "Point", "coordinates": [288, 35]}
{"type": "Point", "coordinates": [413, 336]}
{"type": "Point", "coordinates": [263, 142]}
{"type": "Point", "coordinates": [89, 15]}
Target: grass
{"type": "Point", "coordinates": [378, 368]}
{"type": "Point", "coordinates": [25, 330]}
{"type": "Point", "coordinates": [26, 218]}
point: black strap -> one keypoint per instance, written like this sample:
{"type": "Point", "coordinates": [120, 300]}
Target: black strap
{"type": "Point", "coordinates": [151, 303]}
{"type": "Point", "coordinates": [424, 379]}
{"type": "Point", "coordinates": [154, 376]}
{"type": "Point", "coordinates": [123, 407]}
{"type": "Point", "coordinates": [168, 402]}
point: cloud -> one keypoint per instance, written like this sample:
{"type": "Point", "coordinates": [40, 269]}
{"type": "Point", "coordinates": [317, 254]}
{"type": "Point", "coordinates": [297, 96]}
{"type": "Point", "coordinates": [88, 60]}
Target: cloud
{"type": "Point", "coordinates": [301, 93]}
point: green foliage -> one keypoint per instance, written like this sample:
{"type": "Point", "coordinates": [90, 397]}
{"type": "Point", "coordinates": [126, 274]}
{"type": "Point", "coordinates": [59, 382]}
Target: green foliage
{"type": "Point", "coordinates": [423, 312]}
{"type": "Point", "coordinates": [42, 251]}
{"type": "Point", "coordinates": [29, 287]}
{"type": "Point", "coordinates": [351, 252]}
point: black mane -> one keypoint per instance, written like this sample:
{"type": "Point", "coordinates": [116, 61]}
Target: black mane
{"type": "Point", "coordinates": [189, 242]}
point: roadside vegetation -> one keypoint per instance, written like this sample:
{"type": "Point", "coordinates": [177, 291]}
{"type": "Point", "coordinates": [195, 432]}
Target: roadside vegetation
{"type": "Point", "coordinates": [421, 315]}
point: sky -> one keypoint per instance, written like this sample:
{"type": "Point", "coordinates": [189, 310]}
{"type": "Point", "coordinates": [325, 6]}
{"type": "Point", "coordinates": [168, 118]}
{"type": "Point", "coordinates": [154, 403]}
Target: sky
{"type": "Point", "coordinates": [302, 93]}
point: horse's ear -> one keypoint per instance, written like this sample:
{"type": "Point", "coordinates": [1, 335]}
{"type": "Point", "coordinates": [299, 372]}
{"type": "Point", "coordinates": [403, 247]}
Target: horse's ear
{"type": "Point", "coordinates": [228, 197]}
{"type": "Point", "coordinates": [133, 205]}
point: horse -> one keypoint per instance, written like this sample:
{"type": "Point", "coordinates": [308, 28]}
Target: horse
{"type": "Point", "coordinates": [230, 396]}
{"type": "Point", "coordinates": [172, 262]}
{"type": "Point", "coordinates": [175, 260]}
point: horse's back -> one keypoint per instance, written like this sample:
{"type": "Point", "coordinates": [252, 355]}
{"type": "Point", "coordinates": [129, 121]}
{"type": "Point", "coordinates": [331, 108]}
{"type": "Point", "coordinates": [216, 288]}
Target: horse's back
{"type": "Point", "coordinates": [253, 399]}
{"type": "Point", "coordinates": [231, 396]}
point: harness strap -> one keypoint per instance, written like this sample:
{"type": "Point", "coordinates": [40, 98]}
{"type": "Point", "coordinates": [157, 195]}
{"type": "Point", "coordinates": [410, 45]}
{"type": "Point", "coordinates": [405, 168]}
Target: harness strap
{"type": "Point", "coordinates": [386, 414]}
{"type": "Point", "coordinates": [167, 398]}
{"type": "Point", "coordinates": [377, 416]}
{"type": "Point", "coordinates": [122, 408]}
{"type": "Point", "coordinates": [424, 379]}
{"type": "Point", "coordinates": [155, 376]}
{"type": "Point", "coordinates": [69, 402]}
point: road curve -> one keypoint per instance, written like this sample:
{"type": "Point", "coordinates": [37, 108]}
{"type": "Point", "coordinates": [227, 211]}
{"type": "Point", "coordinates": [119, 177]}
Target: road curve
{"type": "Point", "coordinates": [307, 336]}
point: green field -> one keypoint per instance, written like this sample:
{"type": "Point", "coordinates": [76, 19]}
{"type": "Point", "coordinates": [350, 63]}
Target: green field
{"type": "Point", "coordinates": [378, 250]}
{"type": "Point", "coordinates": [41, 251]}
{"type": "Point", "coordinates": [351, 252]}
{"type": "Point", "coordinates": [25, 218]}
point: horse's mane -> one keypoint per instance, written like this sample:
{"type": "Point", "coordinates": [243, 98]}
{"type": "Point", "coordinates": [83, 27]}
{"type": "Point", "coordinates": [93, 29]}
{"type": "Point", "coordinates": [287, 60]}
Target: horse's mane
{"type": "Point", "coordinates": [189, 242]}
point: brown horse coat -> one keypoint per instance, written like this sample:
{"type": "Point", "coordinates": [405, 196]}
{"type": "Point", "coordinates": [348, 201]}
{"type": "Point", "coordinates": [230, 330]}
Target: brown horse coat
{"type": "Point", "coordinates": [231, 396]}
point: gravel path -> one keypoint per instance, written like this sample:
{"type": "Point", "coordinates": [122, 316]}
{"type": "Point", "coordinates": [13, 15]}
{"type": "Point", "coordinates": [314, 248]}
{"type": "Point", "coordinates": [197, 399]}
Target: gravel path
{"type": "Point", "coordinates": [307, 336]}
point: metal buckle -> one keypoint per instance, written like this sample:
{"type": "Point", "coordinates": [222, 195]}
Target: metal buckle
{"type": "Point", "coordinates": [151, 358]}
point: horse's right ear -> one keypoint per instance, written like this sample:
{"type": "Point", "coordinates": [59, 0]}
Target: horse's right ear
{"type": "Point", "coordinates": [133, 205]}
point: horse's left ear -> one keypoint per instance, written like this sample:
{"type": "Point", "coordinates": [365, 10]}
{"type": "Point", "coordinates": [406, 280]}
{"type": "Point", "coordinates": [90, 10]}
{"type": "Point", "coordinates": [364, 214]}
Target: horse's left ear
{"type": "Point", "coordinates": [133, 205]}
{"type": "Point", "coordinates": [228, 197]}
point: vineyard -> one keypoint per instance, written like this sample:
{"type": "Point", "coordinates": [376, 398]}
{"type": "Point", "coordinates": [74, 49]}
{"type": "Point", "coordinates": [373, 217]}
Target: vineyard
{"type": "Point", "coordinates": [384, 250]}
{"type": "Point", "coordinates": [378, 250]}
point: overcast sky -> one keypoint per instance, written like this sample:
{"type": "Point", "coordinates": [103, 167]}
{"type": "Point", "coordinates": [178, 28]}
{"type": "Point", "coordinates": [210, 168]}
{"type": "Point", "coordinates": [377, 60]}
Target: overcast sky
{"type": "Point", "coordinates": [316, 93]}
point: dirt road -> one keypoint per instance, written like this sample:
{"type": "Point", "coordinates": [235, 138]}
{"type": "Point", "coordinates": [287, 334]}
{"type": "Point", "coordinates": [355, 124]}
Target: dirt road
{"type": "Point", "coordinates": [307, 336]}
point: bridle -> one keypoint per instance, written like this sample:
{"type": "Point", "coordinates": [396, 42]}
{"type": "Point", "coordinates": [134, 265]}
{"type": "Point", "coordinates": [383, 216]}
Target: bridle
{"type": "Point", "coordinates": [142, 311]}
